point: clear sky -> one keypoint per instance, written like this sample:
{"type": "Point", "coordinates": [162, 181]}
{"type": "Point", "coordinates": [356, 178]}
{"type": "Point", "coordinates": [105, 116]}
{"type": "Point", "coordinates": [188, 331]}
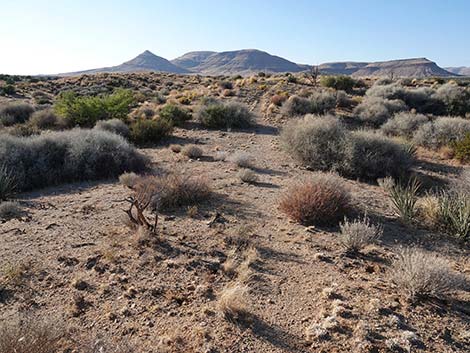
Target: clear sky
{"type": "Point", "coordinates": [53, 36]}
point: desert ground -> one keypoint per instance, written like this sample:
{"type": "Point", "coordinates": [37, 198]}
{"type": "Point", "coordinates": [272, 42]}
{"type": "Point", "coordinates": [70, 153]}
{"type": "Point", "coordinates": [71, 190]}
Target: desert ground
{"type": "Point", "coordinates": [233, 272]}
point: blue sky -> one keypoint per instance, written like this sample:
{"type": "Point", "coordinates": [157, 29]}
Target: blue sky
{"type": "Point", "coordinates": [57, 36]}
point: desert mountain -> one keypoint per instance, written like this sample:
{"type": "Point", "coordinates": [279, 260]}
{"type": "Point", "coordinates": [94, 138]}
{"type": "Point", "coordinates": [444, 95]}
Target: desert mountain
{"type": "Point", "coordinates": [242, 62]}
{"type": "Point", "coordinates": [249, 61]}
{"type": "Point", "coordinates": [147, 61]}
{"type": "Point", "coordinates": [419, 67]}
{"type": "Point", "coordinates": [462, 70]}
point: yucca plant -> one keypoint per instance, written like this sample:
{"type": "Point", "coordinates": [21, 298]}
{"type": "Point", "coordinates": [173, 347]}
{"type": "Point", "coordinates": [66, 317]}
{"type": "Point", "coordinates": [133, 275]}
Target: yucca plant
{"type": "Point", "coordinates": [454, 214]}
{"type": "Point", "coordinates": [404, 198]}
{"type": "Point", "coordinates": [7, 183]}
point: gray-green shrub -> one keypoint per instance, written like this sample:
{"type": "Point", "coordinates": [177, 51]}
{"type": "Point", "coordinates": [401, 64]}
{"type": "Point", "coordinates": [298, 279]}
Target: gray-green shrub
{"type": "Point", "coordinates": [441, 132]}
{"type": "Point", "coordinates": [404, 124]}
{"type": "Point", "coordinates": [58, 157]}
{"type": "Point", "coordinates": [46, 119]}
{"type": "Point", "coordinates": [455, 98]}
{"type": "Point", "coordinates": [375, 111]}
{"type": "Point", "coordinates": [218, 115]}
{"type": "Point", "coordinates": [319, 102]}
{"type": "Point", "coordinates": [115, 126]}
{"type": "Point", "coordinates": [15, 113]}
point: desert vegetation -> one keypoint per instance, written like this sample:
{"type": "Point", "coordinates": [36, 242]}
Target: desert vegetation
{"type": "Point", "coordinates": [263, 213]}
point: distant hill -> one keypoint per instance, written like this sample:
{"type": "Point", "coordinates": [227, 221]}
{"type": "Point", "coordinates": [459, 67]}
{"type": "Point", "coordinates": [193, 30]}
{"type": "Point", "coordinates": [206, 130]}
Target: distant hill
{"type": "Point", "coordinates": [241, 62]}
{"type": "Point", "coordinates": [250, 61]}
{"type": "Point", "coordinates": [147, 61]}
{"type": "Point", "coordinates": [462, 70]}
{"type": "Point", "coordinates": [419, 68]}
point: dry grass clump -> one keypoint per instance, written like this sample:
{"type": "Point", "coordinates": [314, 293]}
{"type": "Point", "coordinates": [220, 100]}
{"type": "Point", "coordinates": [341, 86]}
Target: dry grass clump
{"type": "Point", "coordinates": [404, 124]}
{"type": "Point", "coordinates": [322, 199]}
{"type": "Point", "coordinates": [116, 126]}
{"type": "Point", "coordinates": [420, 274]}
{"type": "Point", "coordinates": [233, 302]}
{"type": "Point", "coordinates": [173, 191]}
{"type": "Point", "coordinates": [248, 176]}
{"type": "Point", "coordinates": [242, 159]}
{"type": "Point", "coordinates": [359, 233]}
{"type": "Point", "coordinates": [29, 336]}
{"type": "Point", "coordinates": [192, 151]}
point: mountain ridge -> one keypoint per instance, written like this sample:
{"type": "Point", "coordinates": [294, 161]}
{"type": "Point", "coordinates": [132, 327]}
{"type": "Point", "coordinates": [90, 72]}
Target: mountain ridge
{"type": "Point", "coordinates": [250, 61]}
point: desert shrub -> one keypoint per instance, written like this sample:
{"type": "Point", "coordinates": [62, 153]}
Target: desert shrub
{"type": "Point", "coordinates": [115, 126]}
{"type": "Point", "coordinates": [129, 179]}
{"type": "Point", "coordinates": [192, 151]}
{"type": "Point", "coordinates": [419, 274]}
{"type": "Point", "coordinates": [46, 119]}
{"type": "Point", "coordinates": [319, 102]}
{"type": "Point", "coordinates": [7, 183]}
{"type": "Point", "coordinates": [85, 111]}
{"type": "Point", "coordinates": [386, 90]}
{"type": "Point", "coordinates": [175, 114]}
{"type": "Point", "coordinates": [247, 176]}
{"type": "Point", "coordinates": [359, 233]}
{"type": "Point", "coordinates": [58, 157]}
{"type": "Point", "coordinates": [322, 199]}
{"type": "Point", "coordinates": [174, 191]}
{"type": "Point", "coordinates": [10, 210]}
{"type": "Point", "coordinates": [404, 124]}
{"type": "Point", "coordinates": [455, 98]}
{"type": "Point", "coordinates": [242, 159]}
{"type": "Point", "coordinates": [375, 111]}
{"type": "Point", "coordinates": [7, 90]}
{"type": "Point", "coordinates": [369, 156]}
{"type": "Point", "coordinates": [15, 113]}
{"type": "Point", "coordinates": [444, 131]}
{"type": "Point", "coordinates": [404, 198]}
{"type": "Point", "coordinates": [226, 85]}
{"type": "Point", "coordinates": [29, 336]}
{"type": "Point", "coordinates": [462, 148]}
{"type": "Point", "coordinates": [150, 131]}
{"type": "Point", "coordinates": [339, 83]}
{"type": "Point", "coordinates": [317, 142]}
{"type": "Point", "coordinates": [343, 100]}
{"type": "Point", "coordinates": [215, 115]}
{"type": "Point", "coordinates": [278, 99]}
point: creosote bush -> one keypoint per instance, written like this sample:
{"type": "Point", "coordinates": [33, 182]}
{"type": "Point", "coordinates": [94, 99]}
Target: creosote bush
{"type": "Point", "coordinates": [419, 274]}
{"type": "Point", "coordinates": [150, 131]}
{"type": "Point", "coordinates": [357, 234]}
{"type": "Point", "coordinates": [175, 114]}
{"type": "Point", "coordinates": [339, 83]}
{"type": "Point", "coordinates": [218, 115]}
{"type": "Point", "coordinates": [404, 124]}
{"type": "Point", "coordinates": [114, 126]}
{"type": "Point", "coordinates": [15, 113]}
{"type": "Point", "coordinates": [87, 110]}
{"type": "Point", "coordinates": [75, 155]}
{"type": "Point", "coordinates": [321, 199]}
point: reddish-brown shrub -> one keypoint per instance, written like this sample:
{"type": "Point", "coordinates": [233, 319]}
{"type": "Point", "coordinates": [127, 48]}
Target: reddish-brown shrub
{"type": "Point", "coordinates": [278, 99]}
{"type": "Point", "coordinates": [322, 199]}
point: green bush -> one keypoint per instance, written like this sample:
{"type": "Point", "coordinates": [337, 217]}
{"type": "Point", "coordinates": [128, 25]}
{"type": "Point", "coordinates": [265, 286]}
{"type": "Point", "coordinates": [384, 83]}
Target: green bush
{"type": "Point", "coordinates": [462, 148]}
{"type": "Point", "coordinates": [150, 131]}
{"type": "Point", "coordinates": [175, 114]}
{"type": "Point", "coordinates": [217, 115]}
{"type": "Point", "coordinates": [85, 111]}
{"type": "Point", "coordinates": [339, 83]}
{"type": "Point", "coordinates": [7, 90]}
{"type": "Point", "coordinates": [15, 113]}
{"type": "Point", "coordinates": [58, 157]}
